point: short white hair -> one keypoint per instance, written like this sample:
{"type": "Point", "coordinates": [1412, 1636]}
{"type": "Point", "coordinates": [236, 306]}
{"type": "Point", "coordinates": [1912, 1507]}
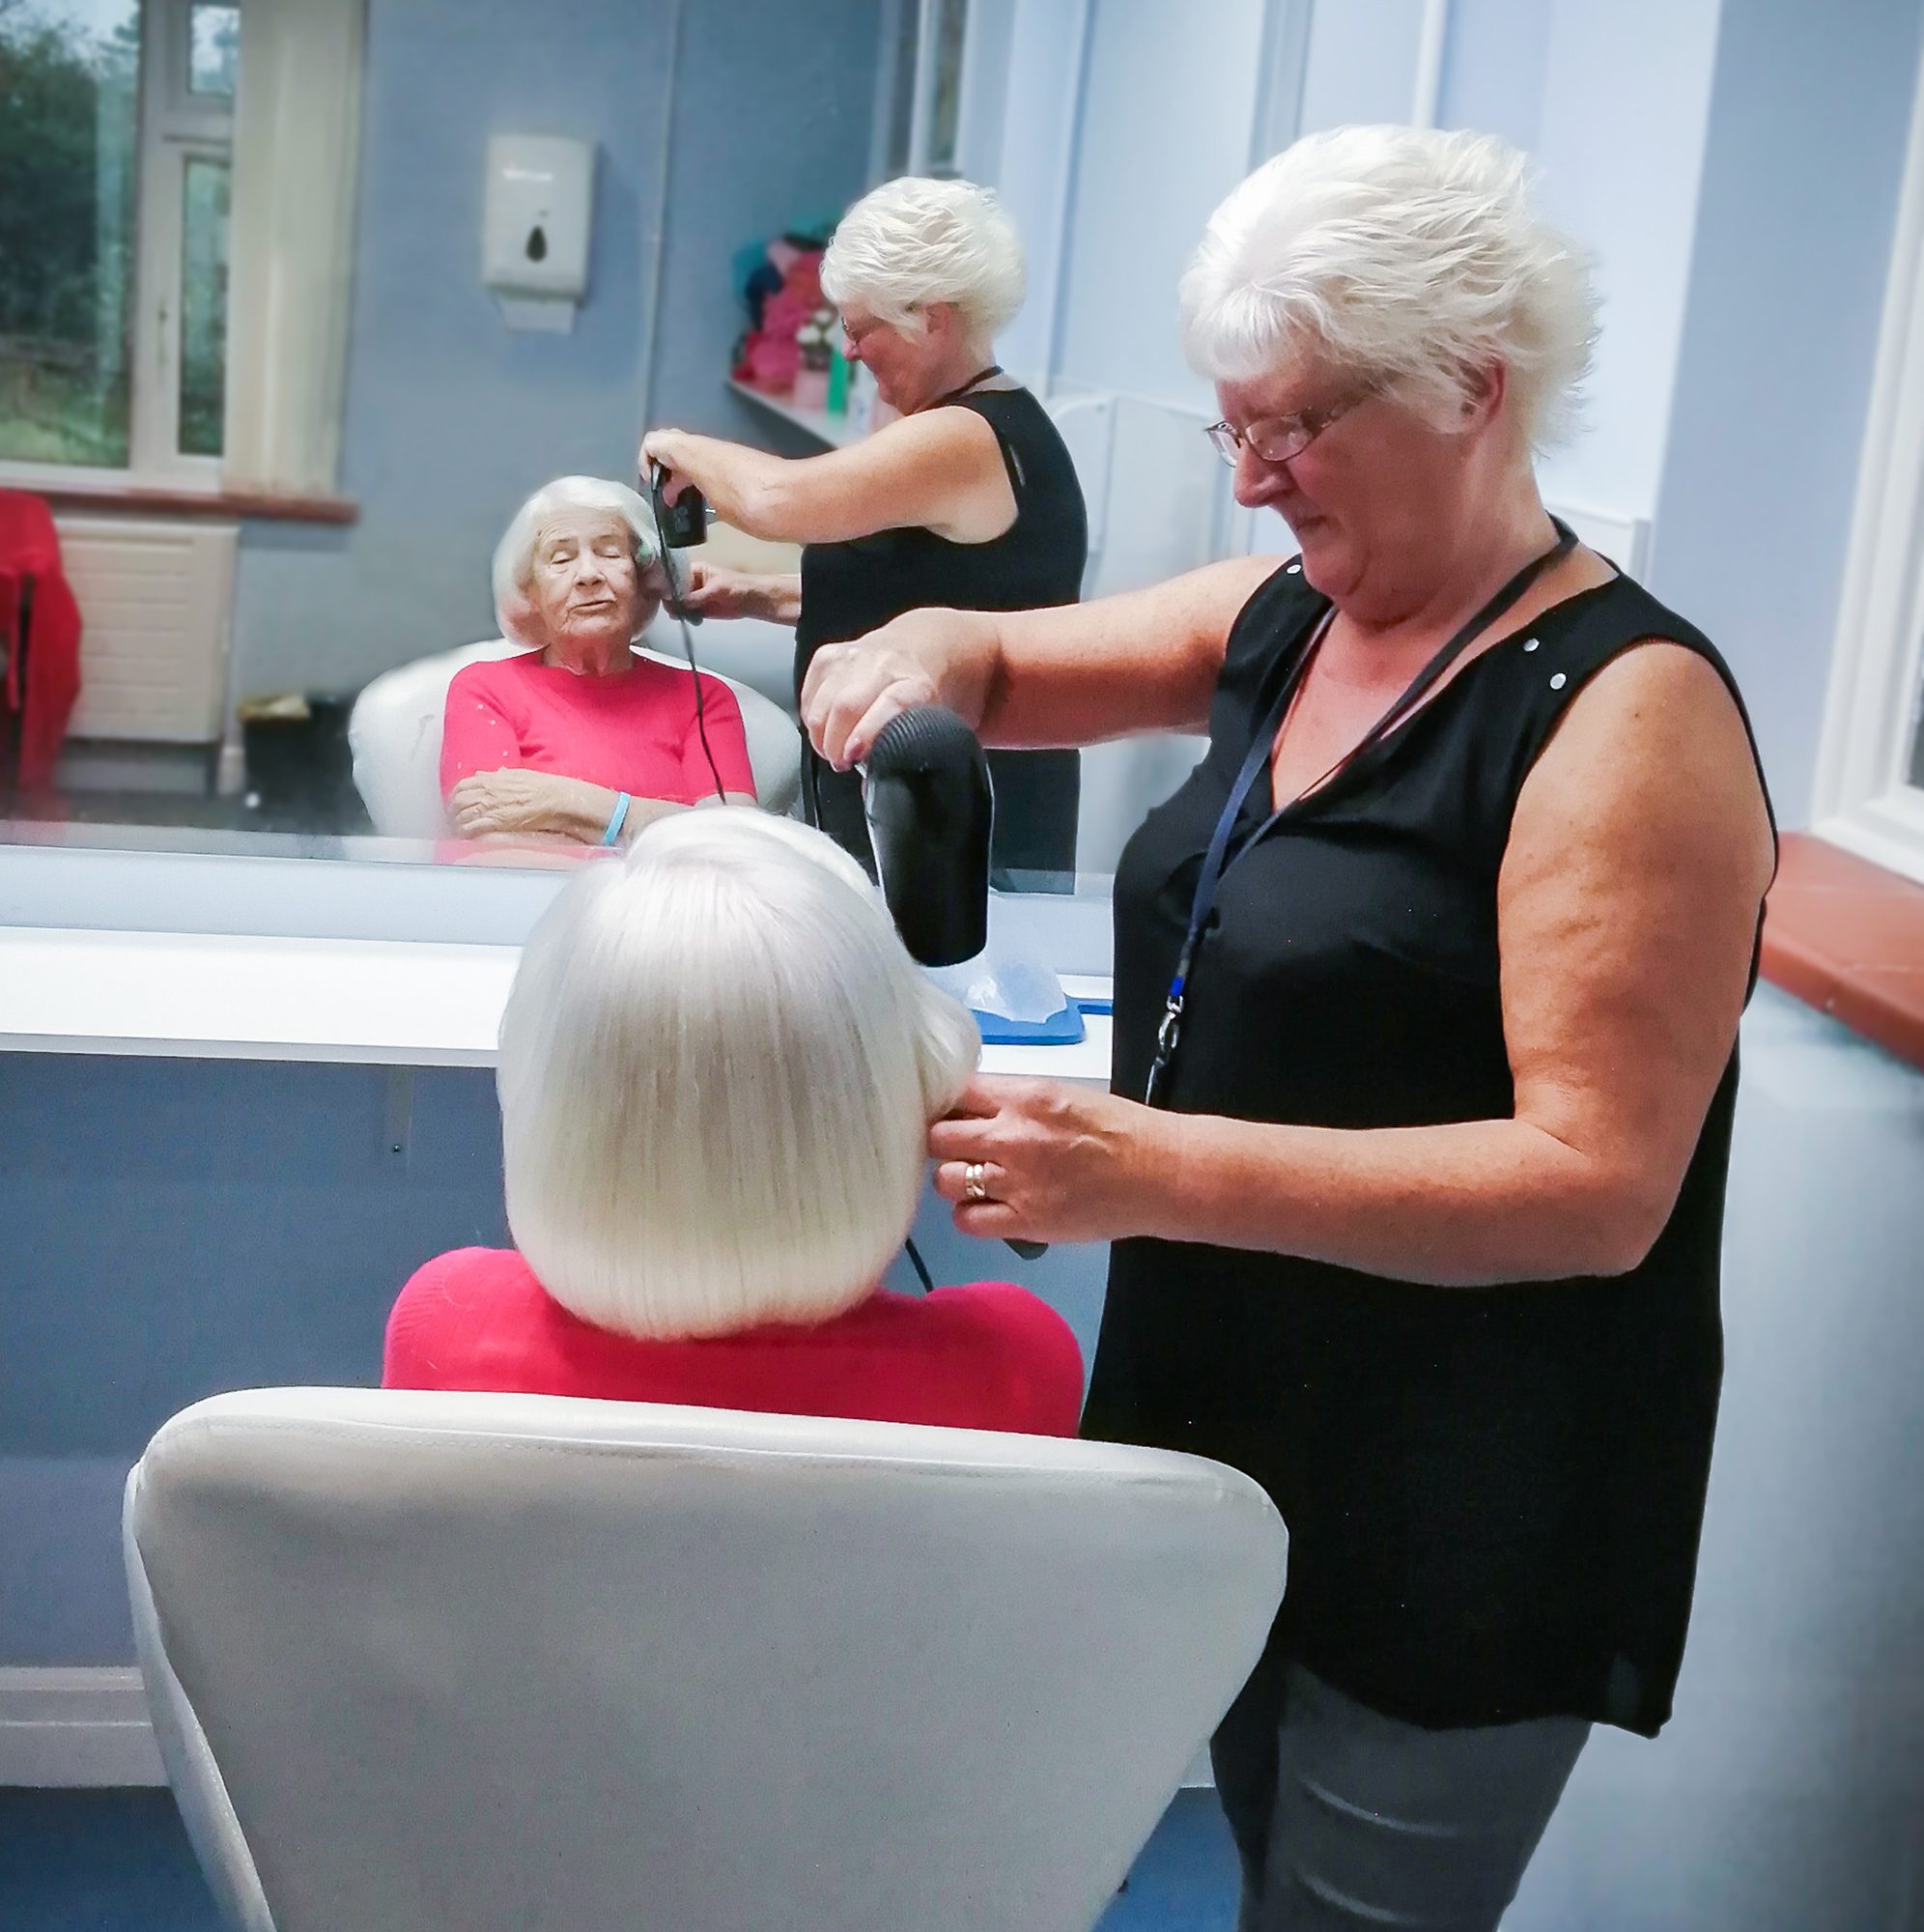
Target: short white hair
{"type": "Point", "coordinates": [718, 1070]}
{"type": "Point", "coordinates": [915, 240]}
{"type": "Point", "coordinates": [514, 554]}
{"type": "Point", "coordinates": [1408, 256]}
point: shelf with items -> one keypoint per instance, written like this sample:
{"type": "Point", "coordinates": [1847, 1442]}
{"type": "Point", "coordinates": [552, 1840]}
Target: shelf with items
{"type": "Point", "coordinates": [833, 432]}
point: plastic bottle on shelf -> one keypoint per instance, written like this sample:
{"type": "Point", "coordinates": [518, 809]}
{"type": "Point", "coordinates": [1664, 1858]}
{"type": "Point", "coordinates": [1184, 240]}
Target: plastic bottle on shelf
{"type": "Point", "coordinates": [860, 399]}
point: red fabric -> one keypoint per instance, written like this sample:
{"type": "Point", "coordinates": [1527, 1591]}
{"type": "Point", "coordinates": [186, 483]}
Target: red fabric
{"type": "Point", "coordinates": [634, 733]}
{"type": "Point", "coordinates": [43, 701]}
{"type": "Point", "coordinates": [988, 1356]}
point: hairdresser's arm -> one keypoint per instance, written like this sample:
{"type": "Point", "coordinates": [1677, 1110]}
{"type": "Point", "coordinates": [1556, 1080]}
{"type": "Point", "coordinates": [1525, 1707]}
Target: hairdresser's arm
{"type": "Point", "coordinates": [941, 469]}
{"type": "Point", "coordinates": [714, 590]}
{"type": "Point", "coordinates": [1640, 839]}
{"type": "Point", "coordinates": [1147, 661]}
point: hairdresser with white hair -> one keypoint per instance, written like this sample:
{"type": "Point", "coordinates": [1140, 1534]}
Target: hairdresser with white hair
{"type": "Point", "coordinates": [969, 500]}
{"type": "Point", "coordinates": [1426, 997]}
{"type": "Point", "coordinates": [718, 1067]}
{"type": "Point", "coordinates": [578, 737]}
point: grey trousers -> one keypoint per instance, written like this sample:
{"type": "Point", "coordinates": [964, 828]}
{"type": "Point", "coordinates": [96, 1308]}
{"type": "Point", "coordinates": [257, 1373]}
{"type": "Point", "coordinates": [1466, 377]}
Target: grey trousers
{"type": "Point", "coordinates": [1344, 1818]}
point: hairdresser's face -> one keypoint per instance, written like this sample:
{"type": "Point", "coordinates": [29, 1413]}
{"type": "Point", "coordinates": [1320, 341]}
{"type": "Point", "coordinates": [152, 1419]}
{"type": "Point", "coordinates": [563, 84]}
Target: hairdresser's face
{"type": "Point", "coordinates": [585, 589]}
{"type": "Point", "coordinates": [900, 364]}
{"type": "Point", "coordinates": [1380, 483]}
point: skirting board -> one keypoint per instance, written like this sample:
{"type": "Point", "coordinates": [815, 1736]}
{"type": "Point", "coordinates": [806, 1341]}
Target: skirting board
{"type": "Point", "coordinates": [89, 1726]}
{"type": "Point", "coordinates": [80, 1725]}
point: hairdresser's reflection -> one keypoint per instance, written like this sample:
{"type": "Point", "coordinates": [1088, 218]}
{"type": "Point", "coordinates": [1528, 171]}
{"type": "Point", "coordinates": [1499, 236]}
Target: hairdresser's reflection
{"type": "Point", "coordinates": [717, 1069]}
{"type": "Point", "coordinates": [971, 502]}
{"type": "Point", "coordinates": [579, 737]}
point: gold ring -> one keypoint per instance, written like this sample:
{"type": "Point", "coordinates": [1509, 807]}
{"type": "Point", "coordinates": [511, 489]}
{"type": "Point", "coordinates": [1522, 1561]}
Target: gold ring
{"type": "Point", "coordinates": [976, 1182]}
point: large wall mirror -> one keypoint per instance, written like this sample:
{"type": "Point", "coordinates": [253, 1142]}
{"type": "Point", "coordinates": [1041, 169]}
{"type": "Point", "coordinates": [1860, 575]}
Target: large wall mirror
{"type": "Point", "coordinates": [281, 390]}
{"type": "Point", "coordinates": [298, 303]}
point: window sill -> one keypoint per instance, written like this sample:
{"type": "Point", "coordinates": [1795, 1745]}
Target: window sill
{"type": "Point", "coordinates": [151, 498]}
{"type": "Point", "coordinates": [1847, 937]}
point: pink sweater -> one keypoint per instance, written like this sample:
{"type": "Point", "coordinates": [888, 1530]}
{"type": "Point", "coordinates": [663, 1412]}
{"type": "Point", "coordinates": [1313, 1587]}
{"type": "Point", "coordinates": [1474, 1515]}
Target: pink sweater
{"type": "Point", "coordinates": [634, 733]}
{"type": "Point", "coordinates": [988, 1356]}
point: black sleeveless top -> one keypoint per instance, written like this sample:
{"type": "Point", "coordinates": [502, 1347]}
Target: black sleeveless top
{"type": "Point", "coordinates": [849, 589]}
{"type": "Point", "coordinates": [1493, 1496]}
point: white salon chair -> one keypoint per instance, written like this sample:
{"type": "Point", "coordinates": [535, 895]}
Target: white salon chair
{"type": "Point", "coordinates": [487, 1663]}
{"type": "Point", "coordinates": [395, 734]}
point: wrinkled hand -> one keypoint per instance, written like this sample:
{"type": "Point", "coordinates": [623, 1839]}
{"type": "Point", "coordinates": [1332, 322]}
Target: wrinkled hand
{"type": "Point", "coordinates": [852, 691]}
{"type": "Point", "coordinates": [489, 804]}
{"type": "Point", "coordinates": [1061, 1162]}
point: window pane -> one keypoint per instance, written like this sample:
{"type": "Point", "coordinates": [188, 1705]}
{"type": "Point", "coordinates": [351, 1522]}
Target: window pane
{"type": "Point", "coordinates": [215, 47]}
{"type": "Point", "coordinates": [203, 306]}
{"type": "Point", "coordinates": [902, 101]}
{"type": "Point", "coordinates": [1914, 770]}
{"type": "Point", "coordinates": [946, 109]}
{"type": "Point", "coordinates": [69, 79]}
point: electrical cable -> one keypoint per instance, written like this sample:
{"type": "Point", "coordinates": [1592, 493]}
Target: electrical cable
{"type": "Point", "coordinates": [679, 610]}
{"type": "Point", "coordinates": [922, 1274]}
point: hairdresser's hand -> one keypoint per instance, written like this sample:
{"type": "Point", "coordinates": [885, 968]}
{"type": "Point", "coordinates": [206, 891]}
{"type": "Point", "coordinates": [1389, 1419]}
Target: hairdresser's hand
{"type": "Point", "coordinates": [924, 657]}
{"type": "Point", "coordinates": [1061, 1162]}
{"type": "Point", "coordinates": [516, 802]}
{"type": "Point", "coordinates": [712, 590]}
{"type": "Point", "coordinates": [672, 449]}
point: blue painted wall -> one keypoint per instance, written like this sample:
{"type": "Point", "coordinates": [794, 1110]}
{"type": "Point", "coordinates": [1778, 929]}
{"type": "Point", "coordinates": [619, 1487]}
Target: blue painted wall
{"type": "Point", "coordinates": [774, 111]}
{"type": "Point", "coordinates": [451, 418]}
{"type": "Point", "coordinates": [193, 1226]}
{"type": "Point", "coordinates": [1809, 114]}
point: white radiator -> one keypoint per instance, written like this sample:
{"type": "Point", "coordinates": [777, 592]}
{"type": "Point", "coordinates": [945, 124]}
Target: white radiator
{"type": "Point", "coordinates": [154, 607]}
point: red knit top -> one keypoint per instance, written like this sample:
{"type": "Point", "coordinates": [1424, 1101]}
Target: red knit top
{"type": "Point", "coordinates": [990, 1355]}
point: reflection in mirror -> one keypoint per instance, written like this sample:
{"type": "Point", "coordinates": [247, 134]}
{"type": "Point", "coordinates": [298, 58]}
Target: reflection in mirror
{"type": "Point", "coordinates": [264, 555]}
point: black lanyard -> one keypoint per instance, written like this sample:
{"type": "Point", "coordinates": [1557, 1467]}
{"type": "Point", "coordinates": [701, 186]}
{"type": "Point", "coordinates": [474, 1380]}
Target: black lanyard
{"type": "Point", "coordinates": [980, 375]}
{"type": "Point", "coordinates": [1215, 863]}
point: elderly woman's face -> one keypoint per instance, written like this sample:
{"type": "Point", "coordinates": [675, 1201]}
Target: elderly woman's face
{"type": "Point", "coordinates": [1369, 477]}
{"type": "Point", "coordinates": [584, 585]}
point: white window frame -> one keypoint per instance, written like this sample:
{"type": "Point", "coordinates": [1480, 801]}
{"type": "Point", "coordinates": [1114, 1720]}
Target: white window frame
{"type": "Point", "coordinates": [1862, 800]}
{"type": "Point", "coordinates": [981, 87]}
{"type": "Point", "coordinates": [175, 127]}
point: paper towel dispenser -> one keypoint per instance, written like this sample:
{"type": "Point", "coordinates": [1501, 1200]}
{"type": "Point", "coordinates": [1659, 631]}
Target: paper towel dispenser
{"type": "Point", "coordinates": [535, 228]}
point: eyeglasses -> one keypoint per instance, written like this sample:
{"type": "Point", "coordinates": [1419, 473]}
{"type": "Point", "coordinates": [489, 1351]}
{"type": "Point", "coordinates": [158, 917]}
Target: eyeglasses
{"type": "Point", "coordinates": [1281, 439]}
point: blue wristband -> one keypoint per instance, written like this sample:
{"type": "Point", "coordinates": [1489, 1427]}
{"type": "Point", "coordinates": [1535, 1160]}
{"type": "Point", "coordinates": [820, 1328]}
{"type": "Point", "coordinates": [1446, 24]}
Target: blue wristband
{"type": "Point", "coordinates": [616, 818]}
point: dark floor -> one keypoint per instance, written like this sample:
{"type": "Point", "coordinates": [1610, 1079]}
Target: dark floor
{"type": "Point", "coordinates": [322, 811]}
{"type": "Point", "coordinates": [118, 1862]}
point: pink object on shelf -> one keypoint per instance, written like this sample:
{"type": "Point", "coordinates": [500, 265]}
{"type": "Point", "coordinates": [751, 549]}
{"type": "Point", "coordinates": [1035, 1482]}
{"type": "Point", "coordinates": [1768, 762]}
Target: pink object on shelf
{"type": "Point", "coordinates": [772, 362]}
{"type": "Point", "coordinates": [811, 389]}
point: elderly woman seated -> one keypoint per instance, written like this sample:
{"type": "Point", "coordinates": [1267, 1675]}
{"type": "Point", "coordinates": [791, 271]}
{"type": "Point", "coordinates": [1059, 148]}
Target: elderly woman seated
{"type": "Point", "coordinates": [718, 1070]}
{"type": "Point", "coordinates": [579, 737]}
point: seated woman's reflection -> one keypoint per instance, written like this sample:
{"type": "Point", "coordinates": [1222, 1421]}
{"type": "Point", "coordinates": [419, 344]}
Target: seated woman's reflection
{"type": "Point", "coordinates": [718, 1070]}
{"type": "Point", "coordinates": [579, 737]}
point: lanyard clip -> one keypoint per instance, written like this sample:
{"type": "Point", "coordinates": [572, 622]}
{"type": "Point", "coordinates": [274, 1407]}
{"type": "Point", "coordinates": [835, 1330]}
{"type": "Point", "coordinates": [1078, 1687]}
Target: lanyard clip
{"type": "Point", "coordinates": [1168, 1033]}
{"type": "Point", "coordinates": [1171, 1029]}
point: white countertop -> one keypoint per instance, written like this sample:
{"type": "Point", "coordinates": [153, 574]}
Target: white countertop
{"type": "Point", "coordinates": [371, 1002]}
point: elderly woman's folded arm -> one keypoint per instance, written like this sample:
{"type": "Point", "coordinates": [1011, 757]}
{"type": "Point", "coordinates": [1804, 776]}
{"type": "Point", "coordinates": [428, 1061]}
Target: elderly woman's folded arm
{"type": "Point", "coordinates": [1628, 907]}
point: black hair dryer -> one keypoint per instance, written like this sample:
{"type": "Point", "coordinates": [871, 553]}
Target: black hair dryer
{"type": "Point", "coordinates": [682, 523]}
{"type": "Point", "coordinates": [931, 809]}
{"type": "Point", "coordinates": [926, 794]}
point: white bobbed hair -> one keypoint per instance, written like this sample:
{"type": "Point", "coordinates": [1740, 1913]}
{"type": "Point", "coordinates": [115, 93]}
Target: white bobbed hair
{"type": "Point", "coordinates": [915, 240]}
{"type": "Point", "coordinates": [718, 1070]}
{"type": "Point", "coordinates": [514, 554]}
{"type": "Point", "coordinates": [1409, 256]}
